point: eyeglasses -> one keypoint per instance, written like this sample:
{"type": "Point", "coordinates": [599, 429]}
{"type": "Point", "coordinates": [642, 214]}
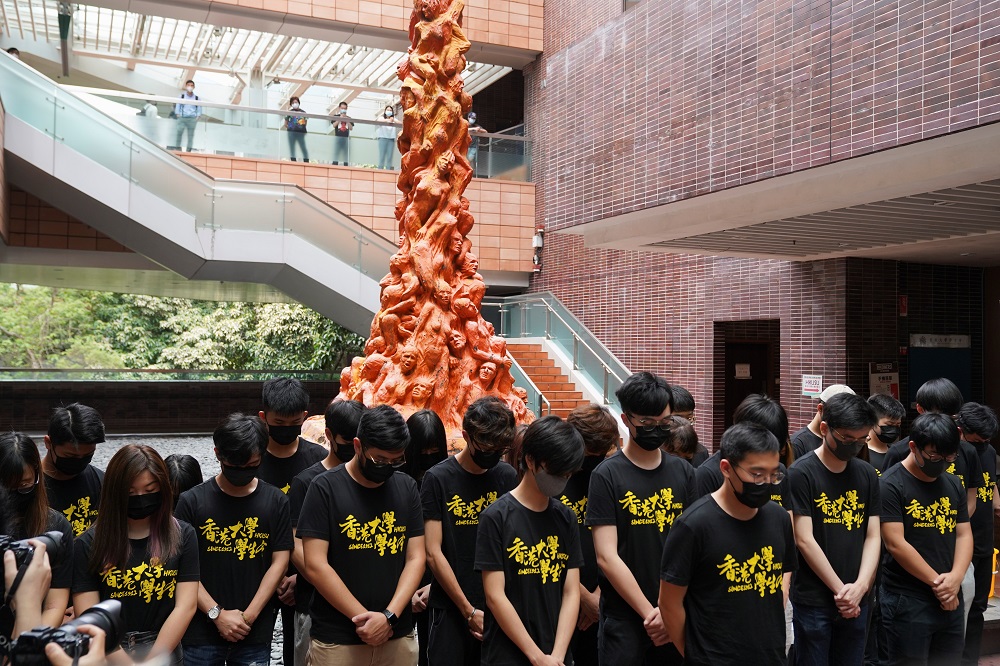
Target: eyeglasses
{"type": "Point", "coordinates": [27, 489]}
{"type": "Point", "coordinates": [935, 458]}
{"type": "Point", "coordinates": [479, 446]}
{"type": "Point", "coordinates": [843, 440]}
{"type": "Point", "coordinates": [395, 463]}
{"type": "Point", "coordinates": [649, 425]}
{"type": "Point", "coordinates": [759, 479]}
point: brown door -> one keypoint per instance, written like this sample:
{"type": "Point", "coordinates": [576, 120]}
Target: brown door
{"type": "Point", "coordinates": [748, 370]}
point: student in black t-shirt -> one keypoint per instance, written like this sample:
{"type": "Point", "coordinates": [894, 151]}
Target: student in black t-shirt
{"type": "Point", "coordinates": [244, 539]}
{"type": "Point", "coordinates": [29, 516]}
{"type": "Point", "coordinates": [765, 411]}
{"type": "Point", "coordinates": [599, 430]}
{"type": "Point", "coordinates": [139, 554]}
{"type": "Point", "coordinates": [683, 440]}
{"type": "Point", "coordinates": [978, 424]}
{"type": "Point", "coordinates": [454, 494]}
{"type": "Point", "coordinates": [925, 527]}
{"type": "Point", "coordinates": [342, 417]}
{"type": "Point", "coordinates": [72, 483]}
{"type": "Point", "coordinates": [363, 538]}
{"type": "Point", "coordinates": [634, 498]}
{"type": "Point", "coordinates": [285, 401]}
{"type": "Point", "coordinates": [683, 407]}
{"type": "Point", "coordinates": [726, 564]}
{"type": "Point", "coordinates": [835, 500]}
{"type": "Point", "coordinates": [935, 396]}
{"type": "Point", "coordinates": [34, 584]}
{"type": "Point", "coordinates": [890, 413]}
{"type": "Point", "coordinates": [808, 438]}
{"type": "Point", "coordinates": [528, 550]}
{"type": "Point", "coordinates": [185, 473]}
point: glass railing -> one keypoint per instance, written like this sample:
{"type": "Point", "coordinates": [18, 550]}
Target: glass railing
{"type": "Point", "coordinates": [235, 131]}
{"type": "Point", "coordinates": [211, 204]}
{"type": "Point", "coordinates": [542, 315]}
{"type": "Point", "coordinates": [536, 400]}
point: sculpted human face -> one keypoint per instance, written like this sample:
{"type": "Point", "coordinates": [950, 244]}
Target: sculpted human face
{"type": "Point", "coordinates": [488, 371]}
{"type": "Point", "coordinates": [457, 342]}
{"type": "Point", "coordinates": [471, 266]}
{"type": "Point", "coordinates": [456, 243]}
{"type": "Point", "coordinates": [421, 392]}
{"type": "Point", "coordinates": [370, 369]}
{"type": "Point", "coordinates": [443, 297]}
{"type": "Point", "coordinates": [408, 361]}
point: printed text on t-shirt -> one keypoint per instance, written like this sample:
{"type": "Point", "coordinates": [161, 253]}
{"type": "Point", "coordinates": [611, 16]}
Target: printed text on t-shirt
{"type": "Point", "coordinates": [846, 510]}
{"type": "Point", "coordinates": [544, 558]}
{"type": "Point", "coordinates": [381, 533]}
{"type": "Point", "coordinates": [940, 515]}
{"type": "Point", "coordinates": [241, 538]}
{"type": "Point", "coordinates": [658, 509]}
{"type": "Point", "coordinates": [759, 573]}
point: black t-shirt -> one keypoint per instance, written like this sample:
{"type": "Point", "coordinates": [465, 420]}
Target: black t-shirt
{"type": "Point", "coordinates": [457, 498]}
{"type": "Point", "coordinates": [701, 454]}
{"type": "Point", "coordinates": [733, 573]}
{"type": "Point", "coordinates": [708, 479]}
{"type": "Point", "coordinates": [76, 498]}
{"type": "Point", "coordinates": [930, 513]}
{"type": "Point", "coordinates": [840, 505]}
{"type": "Point", "coordinates": [367, 530]}
{"type": "Point", "coordinates": [877, 460]}
{"type": "Point", "coordinates": [642, 504]}
{"type": "Point", "coordinates": [279, 472]}
{"type": "Point", "coordinates": [296, 497]}
{"type": "Point", "coordinates": [575, 497]}
{"type": "Point", "coordinates": [533, 549]}
{"type": "Point", "coordinates": [804, 441]}
{"type": "Point", "coordinates": [237, 538]}
{"type": "Point", "coordinates": [982, 520]}
{"type": "Point", "coordinates": [144, 587]}
{"type": "Point", "coordinates": [341, 126]}
{"type": "Point", "coordinates": [967, 467]}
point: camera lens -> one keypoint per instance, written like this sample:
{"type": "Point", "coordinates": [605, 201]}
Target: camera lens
{"type": "Point", "coordinates": [106, 616]}
{"type": "Point", "coordinates": [53, 546]}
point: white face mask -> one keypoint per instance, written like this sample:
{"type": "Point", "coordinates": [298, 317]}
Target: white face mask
{"type": "Point", "coordinates": [190, 89]}
{"type": "Point", "coordinates": [295, 106]}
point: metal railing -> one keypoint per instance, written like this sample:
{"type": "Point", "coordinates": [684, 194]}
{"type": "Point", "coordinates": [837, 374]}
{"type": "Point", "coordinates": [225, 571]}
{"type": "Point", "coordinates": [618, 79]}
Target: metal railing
{"type": "Point", "coordinates": [157, 374]}
{"type": "Point", "coordinates": [543, 315]}
{"type": "Point", "coordinates": [535, 396]}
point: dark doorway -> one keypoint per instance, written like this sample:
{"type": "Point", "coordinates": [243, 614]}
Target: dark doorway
{"type": "Point", "coordinates": [748, 370]}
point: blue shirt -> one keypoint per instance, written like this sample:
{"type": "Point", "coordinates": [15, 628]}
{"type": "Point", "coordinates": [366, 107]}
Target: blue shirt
{"type": "Point", "coordinates": [187, 110]}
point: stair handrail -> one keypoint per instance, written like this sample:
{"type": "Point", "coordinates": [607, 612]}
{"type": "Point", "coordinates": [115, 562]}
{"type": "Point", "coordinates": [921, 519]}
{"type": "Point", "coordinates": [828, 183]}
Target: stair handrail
{"type": "Point", "coordinates": [542, 400]}
{"type": "Point", "coordinates": [576, 328]}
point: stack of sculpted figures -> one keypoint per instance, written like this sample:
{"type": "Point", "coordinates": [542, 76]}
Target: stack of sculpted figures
{"type": "Point", "coordinates": [429, 346]}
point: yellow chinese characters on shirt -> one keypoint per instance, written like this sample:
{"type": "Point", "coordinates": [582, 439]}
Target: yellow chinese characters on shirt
{"type": "Point", "coordinates": [541, 559]}
{"type": "Point", "coordinates": [380, 534]}
{"type": "Point", "coordinates": [146, 580]}
{"type": "Point", "coordinates": [243, 538]}
{"type": "Point", "coordinates": [285, 488]}
{"type": "Point", "coordinates": [81, 514]}
{"type": "Point", "coordinates": [985, 491]}
{"type": "Point", "coordinates": [579, 508]}
{"type": "Point", "coordinates": [846, 510]}
{"type": "Point", "coordinates": [941, 515]}
{"type": "Point", "coordinates": [951, 470]}
{"type": "Point", "coordinates": [658, 509]}
{"type": "Point", "coordinates": [760, 573]}
{"type": "Point", "coordinates": [467, 512]}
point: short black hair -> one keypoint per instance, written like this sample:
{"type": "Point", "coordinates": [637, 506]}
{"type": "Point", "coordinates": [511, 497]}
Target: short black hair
{"type": "Point", "coordinates": [553, 444]}
{"type": "Point", "coordinates": [940, 395]}
{"type": "Point", "coordinates": [239, 437]}
{"type": "Point", "coordinates": [342, 418]}
{"type": "Point", "coordinates": [426, 432]}
{"type": "Point", "coordinates": [14, 51]}
{"type": "Point", "coordinates": [644, 394]}
{"type": "Point", "coordinates": [189, 81]}
{"type": "Point", "coordinates": [293, 98]}
{"type": "Point", "coordinates": [382, 427]}
{"type": "Point", "coordinates": [937, 429]}
{"type": "Point", "coordinates": [746, 438]}
{"type": "Point", "coordinates": [763, 410]}
{"type": "Point", "coordinates": [284, 396]}
{"type": "Point", "coordinates": [682, 400]}
{"type": "Point", "coordinates": [887, 407]}
{"type": "Point", "coordinates": [491, 423]}
{"type": "Point", "coordinates": [75, 424]}
{"type": "Point", "coordinates": [682, 438]}
{"type": "Point", "coordinates": [977, 419]}
{"type": "Point", "coordinates": [847, 411]}
{"type": "Point", "coordinates": [184, 472]}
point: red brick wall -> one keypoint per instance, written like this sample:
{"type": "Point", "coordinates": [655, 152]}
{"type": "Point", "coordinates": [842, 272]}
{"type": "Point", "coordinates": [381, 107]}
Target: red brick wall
{"type": "Point", "coordinates": [34, 223]}
{"type": "Point", "coordinates": [671, 100]}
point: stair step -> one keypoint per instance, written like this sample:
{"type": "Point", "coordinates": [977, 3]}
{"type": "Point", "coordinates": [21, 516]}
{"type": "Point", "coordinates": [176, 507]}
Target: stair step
{"type": "Point", "coordinates": [567, 404]}
{"type": "Point", "coordinates": [546, 387]}
{"type": "Point", "coordinates": [530, 356]}
{"type": "Point", "coordinates": [540, 362]}
{"type": "Point", "coordinates": [545, 372]}
{"type": "Point", "coordinates": [552, 396]}
{"type": "Point", "coordinates": [520, 347]}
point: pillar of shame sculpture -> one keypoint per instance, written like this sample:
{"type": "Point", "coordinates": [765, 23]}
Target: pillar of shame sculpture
{"type": "Point", "coordinates": [429, 346]}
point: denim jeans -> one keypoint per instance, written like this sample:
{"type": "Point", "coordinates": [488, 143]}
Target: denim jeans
{"type": "Point", "coordinates": [234, 654]}
{"type": "Point", "coordinates": [823, 637]}
{"type": "Point", "coordinates": [919, 633]}
{"type": "Point", "coordinates": [297, 139]}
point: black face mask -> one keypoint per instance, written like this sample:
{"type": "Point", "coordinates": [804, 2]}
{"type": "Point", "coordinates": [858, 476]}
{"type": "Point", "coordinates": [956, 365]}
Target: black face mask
{"type": "Point", "coordinates": [70, 466]}
{"type": "Point", "coordinates": [844, 451]}
{"type": "Point", "coordinates": [888, 434]}
{"type": "Point", "coordinates": [239, 476]}
{"type": "Point", "coordinates": [375, 473]}
{"type": "Point", "coordinates": [753, 496]}
{"type": "Point", "coordinates": [428, 460]}
{"type": "Point", "coordinates": [21, 501]}
{"type": "Point", "coordinates": [144, 506]}
{"type": "Point", "coordinates": [486, 459]}
{"type": "Point", "coordinates": [344, 451]}
{"type": "Point", "coordinates": [590, 463]}
{"type": "Point", "coordinates": [933, 468]}
{"type": "Point", "coordinates": [284, 435]}
{"type": "Point", "coordinates": [650, 440]}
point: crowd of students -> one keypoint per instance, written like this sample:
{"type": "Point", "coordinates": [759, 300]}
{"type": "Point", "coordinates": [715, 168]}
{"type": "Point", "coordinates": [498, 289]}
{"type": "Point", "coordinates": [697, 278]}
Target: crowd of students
{"type": "Point", "coordinates": [543, 545]}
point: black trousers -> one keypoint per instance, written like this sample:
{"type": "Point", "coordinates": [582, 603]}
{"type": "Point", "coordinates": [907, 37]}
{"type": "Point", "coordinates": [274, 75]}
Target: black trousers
{"type": "Point", "coordinates": [980, 600]}
{"type": "Point", "coordinates": [450, 643]}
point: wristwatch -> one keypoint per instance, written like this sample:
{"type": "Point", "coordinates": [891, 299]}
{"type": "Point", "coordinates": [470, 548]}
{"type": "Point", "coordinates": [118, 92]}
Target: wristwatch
{"type": "Point", "coordinates": [391, 617]}
{"type": "Point", "coordinates": [213, 613]}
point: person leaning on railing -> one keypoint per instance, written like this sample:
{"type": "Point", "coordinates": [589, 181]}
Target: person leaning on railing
{"type": "Point", "coordinates": [295, 125]}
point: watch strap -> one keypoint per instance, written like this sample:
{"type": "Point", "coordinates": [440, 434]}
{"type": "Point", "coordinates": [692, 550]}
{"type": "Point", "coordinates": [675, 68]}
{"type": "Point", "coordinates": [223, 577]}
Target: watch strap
{"type": "Point", "coordinates": [391, 617]}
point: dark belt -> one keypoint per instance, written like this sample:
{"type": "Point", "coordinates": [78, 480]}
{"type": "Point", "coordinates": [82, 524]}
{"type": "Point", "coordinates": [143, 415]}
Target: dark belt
{"type": "Point", "coordinates": [132, 639]}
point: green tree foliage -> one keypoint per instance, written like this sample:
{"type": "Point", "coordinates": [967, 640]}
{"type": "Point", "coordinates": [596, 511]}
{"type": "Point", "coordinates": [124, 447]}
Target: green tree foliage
{"type": "Point", "coordinates": [42, 327]}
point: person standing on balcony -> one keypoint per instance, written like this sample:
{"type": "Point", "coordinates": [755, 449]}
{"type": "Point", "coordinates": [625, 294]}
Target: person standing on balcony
{"type": "Point", "coordinates": [342, 133]}
{"type": "Point", "coordinates": [474, 129]}
{"type": "Point", "coordinates": [295, 125]}
{"type": "Point", "coordinates": [187, 116]}
{"type": "Point", "coordinates": [385, 134]}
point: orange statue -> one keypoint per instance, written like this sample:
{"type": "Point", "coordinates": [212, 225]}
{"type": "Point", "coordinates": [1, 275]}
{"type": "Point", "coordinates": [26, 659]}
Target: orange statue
{"type": "Point", "coordinates": [429, 345]}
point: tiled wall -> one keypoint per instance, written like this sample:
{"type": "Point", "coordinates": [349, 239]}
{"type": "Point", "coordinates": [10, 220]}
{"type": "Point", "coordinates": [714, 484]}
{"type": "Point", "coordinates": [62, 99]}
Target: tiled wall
{"type": "Point", "coordinates": [4, 212]}
{"type": "Point", "coordinates": [142, 407]}
{"type": "Point", "coordinates": [670, 100]}
{"type": "Point", "coordinates": [763, 330]}
{"type": "Point", "coordinates": [657, 312]}
{"type": "Point", "coordinates": [515, 23]}
{"type": "Point", "coordinates": [504, 210]}
{"type": "Point", "coordinates": [34, 223]}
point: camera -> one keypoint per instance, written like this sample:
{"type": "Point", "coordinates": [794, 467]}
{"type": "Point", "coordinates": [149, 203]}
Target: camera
{"type": "Point", "coordinates": [29, 648]}
{"type": "Point", "coordinates": [23, 550]}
